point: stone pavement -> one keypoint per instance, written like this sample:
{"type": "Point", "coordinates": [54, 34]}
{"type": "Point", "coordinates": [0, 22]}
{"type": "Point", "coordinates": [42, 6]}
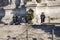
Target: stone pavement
{"type": "Point", "coordinates": [40, 32]}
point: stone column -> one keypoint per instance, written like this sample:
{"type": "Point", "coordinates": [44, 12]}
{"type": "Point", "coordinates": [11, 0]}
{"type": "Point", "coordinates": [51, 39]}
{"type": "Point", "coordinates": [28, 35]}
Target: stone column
{"type": "Point", "coordinates": [22, 2]}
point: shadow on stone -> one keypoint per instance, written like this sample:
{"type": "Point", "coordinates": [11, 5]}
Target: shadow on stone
{"type": "Point", "coordinates": [57, 31]}
{"type": "Point", "coordinates": [48, 28]}
{"type": "Point", "coordinates": [2, 14]}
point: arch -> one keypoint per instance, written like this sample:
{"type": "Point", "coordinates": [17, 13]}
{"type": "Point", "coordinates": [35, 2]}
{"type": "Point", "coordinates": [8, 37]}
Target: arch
{"type": "Point", "coordinates": [31, 11]}
{"type": "Point", "coordinates": [30, 14]}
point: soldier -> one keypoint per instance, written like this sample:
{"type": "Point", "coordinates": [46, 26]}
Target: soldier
{"type": "Point", "coordinates": [15, 20]}
{"type": "Point", "coordinates": [19, 19]}
{"type": "Point", "coordinates": [42, 16]}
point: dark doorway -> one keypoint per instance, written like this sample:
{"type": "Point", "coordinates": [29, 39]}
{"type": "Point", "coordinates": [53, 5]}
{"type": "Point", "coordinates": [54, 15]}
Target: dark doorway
{"type": "Point", "coordinates": [34, 38]}
{"type": "Point", "coordinates": [2, 14]}
{"type": "Point", "coordinates": [4, 3]}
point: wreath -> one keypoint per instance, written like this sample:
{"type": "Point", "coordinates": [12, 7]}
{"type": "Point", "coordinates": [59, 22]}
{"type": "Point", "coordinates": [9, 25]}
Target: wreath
{"type": "Point", "coordinates": [28, 0]}
{"type": "Point", "coordinates": [38, 1]}
{"type": "Point", "coordinates": [30, 14]}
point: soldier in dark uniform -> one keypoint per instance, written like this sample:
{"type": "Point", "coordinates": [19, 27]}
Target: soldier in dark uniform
{"type": "Point", "coordinates": [19, 19]}
{"type": "Point", "coordinates": [42, 16]}
{"type": "Point", "coordinates": [15, 20]}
